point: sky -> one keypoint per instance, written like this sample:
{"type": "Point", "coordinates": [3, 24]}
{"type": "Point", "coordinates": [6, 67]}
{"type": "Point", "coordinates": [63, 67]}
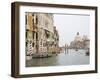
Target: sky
{"type": "Point", "coordinates": [69, 25]}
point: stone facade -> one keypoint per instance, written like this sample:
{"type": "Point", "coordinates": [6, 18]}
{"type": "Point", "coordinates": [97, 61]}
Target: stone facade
{"type": "Point", "coordinates": [41, 35]}
{"type": "Point", "coordinates": [30, 33]}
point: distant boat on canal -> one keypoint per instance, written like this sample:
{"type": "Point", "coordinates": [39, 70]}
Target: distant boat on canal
{"type": "Point", "coordinates": [87, 52]}
{"type": "Point", "coordinates": [76, 49]}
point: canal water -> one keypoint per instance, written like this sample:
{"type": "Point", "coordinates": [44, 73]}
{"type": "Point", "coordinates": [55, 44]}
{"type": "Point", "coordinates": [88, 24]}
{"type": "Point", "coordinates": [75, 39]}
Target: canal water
{"type": "Point", "coordinates": [71, 58]}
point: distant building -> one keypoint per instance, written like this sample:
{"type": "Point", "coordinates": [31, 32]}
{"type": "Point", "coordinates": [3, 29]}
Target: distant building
{"type": "Point", "coordinates": [79, 42]}
{"type": "Point", "coordinates": [86, 42]}
{"type": "Point", "coordinates": [72, 45]}
{"type": "Point", "coordinates": [78, 38]}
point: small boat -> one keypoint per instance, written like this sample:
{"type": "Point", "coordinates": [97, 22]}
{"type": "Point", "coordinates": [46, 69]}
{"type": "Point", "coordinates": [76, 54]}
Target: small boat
{"type": "Point", "coordinates": [87, 53]}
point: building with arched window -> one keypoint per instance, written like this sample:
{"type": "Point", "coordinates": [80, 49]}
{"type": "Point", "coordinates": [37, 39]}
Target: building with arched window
{"type": "Point", "coordinates": [42, 38]}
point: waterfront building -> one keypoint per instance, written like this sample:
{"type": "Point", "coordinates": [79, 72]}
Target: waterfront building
{"type": "Point", "coordinates": [80, 42]}
{"type": "Point", "coordinates": [31, 33]}
{"type": "Point", "coordinates": [41, 35]}
{"type": "Point", "coordinates": [72, 45]}
{"type": "Point", "coordinates": [56, 41]}
{"type": "Point", "coordinates": [45, 32]}
{"type": "Point", "coordinates": [77, 37]}
{"type": "Point", "coordinates": [86, 42]}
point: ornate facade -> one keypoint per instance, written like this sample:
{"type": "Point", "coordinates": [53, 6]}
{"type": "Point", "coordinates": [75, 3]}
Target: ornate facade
{"type": "Point", "coordinates": [41, 35]}
{"type": "Point", "coordinates": [80, 42]}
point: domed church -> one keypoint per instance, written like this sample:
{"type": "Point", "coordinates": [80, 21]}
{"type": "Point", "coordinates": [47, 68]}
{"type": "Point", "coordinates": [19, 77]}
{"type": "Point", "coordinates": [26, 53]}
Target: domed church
{"type": "Point", "coordinates": [78, 38]}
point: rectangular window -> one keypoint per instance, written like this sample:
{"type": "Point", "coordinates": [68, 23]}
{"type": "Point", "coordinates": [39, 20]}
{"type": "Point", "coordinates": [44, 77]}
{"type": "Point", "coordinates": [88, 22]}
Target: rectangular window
{"type": "Point", "coordinates": [26, 34]}
{"type": "Point", "coordinates": [33, 44]}
{"type": "Point", "coordinates": [36, 19]}
{"type": "Point", "coordinates": [33, 35]}
{"type": "Point", "coordinates": [26, 19]}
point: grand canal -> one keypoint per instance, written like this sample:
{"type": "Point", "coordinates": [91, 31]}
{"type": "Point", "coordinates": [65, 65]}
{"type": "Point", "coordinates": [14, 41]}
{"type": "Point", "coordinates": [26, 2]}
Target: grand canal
{"type": "Point", "coordinates": [71, 57]}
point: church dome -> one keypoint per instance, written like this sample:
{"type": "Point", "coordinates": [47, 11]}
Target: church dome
{"type": "Point", "coordinates": [77, 37]}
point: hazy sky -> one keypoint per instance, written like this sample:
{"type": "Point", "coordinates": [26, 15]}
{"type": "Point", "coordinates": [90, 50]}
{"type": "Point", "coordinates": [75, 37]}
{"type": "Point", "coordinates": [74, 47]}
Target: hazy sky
{"type": "Point", "coordinates": [69, 25]}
